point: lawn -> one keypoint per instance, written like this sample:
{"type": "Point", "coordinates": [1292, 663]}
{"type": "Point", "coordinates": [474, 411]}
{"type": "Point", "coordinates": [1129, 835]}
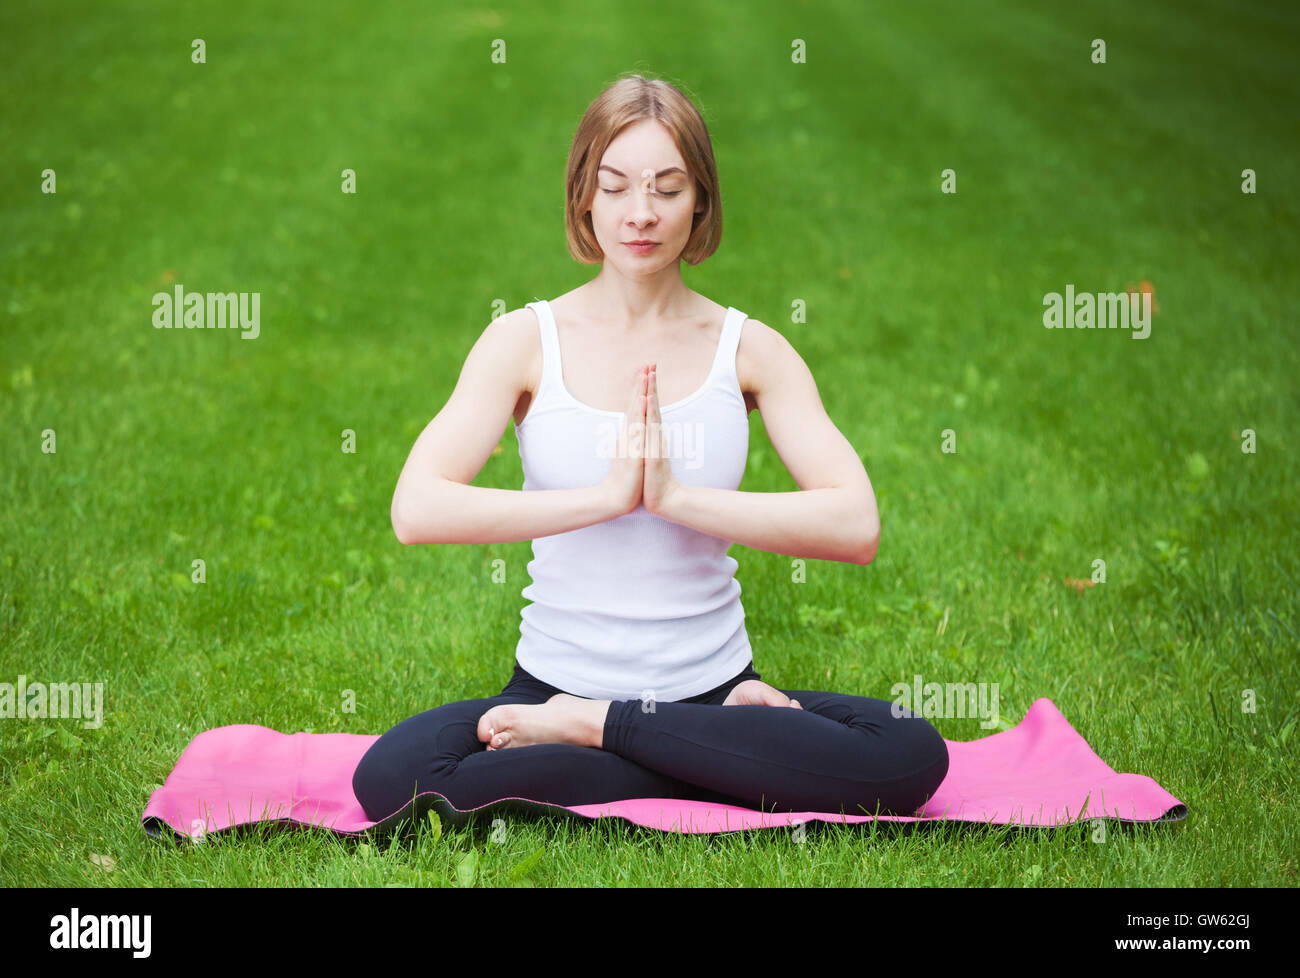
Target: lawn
{"type": "Point", "coordinates": [921, 314]}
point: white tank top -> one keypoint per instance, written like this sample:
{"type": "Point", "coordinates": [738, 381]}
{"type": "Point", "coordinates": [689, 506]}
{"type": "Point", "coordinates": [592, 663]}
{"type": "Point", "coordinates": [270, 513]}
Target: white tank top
{"type": "Point", "coordinates": [636, 606]}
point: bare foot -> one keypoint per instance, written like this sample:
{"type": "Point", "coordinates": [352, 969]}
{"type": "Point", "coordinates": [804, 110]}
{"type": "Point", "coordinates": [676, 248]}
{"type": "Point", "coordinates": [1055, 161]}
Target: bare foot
{"type": "Point", "coordinates": [563, 719]}
{"type": "Point", "coordinates": [755, 692]}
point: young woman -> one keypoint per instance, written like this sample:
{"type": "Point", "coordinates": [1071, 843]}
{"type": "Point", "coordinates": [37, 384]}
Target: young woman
{"type": "Point", "coordinates": [634, 675]}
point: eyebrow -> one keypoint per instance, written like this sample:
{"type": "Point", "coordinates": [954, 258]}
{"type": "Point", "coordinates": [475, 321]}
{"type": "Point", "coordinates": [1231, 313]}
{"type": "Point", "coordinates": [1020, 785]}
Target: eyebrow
{"type": "Point", "coordinates": [661, 173]}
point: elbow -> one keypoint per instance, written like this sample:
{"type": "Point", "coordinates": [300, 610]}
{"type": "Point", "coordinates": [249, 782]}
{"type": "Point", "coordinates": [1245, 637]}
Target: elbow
{"type": "Point", "coordinates": [870, 539]}
{"type": "Point", "coordinates": [867, 552]}
{"type": "Point", "coordinates": [421, 524]}
{"type": "Point", "coordinates": [401, 528]}
{"type": "Point", "coordinates": [401, 532]}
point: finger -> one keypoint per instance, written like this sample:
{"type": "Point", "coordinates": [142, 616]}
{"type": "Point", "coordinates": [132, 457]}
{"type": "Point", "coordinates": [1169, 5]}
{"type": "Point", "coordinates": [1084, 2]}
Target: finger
{"type": "Point", "coordinates": [644, 432]}
{"type": "Point", "coordinates": [654, 421]}
{"type": "Point", "coordinates": [774, 697]}
{"type": "Point", "coordinates": [638, 389]}
{"type": "Point", "coordinates": [635, 416]}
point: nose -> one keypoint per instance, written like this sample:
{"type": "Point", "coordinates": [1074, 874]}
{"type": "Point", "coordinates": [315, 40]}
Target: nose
{"type": "Point", "coordinates": [643, 198]}
{"type": "Point", "coordinates": [642, 210]}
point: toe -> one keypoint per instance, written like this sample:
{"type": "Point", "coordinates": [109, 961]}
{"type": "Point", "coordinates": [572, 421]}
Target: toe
{"type": "Point", "coordinates": [488, 724]}
{"type": "Point", "coordinates": [494, 726]}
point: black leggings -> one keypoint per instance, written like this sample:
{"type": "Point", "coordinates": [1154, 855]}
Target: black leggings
{"type": "Point", "coordinates": [838, 754]}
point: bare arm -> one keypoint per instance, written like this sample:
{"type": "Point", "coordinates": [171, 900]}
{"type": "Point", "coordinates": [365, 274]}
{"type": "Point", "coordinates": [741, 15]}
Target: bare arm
{"type": "Point", "coordinates": [433, 501]}
{"type": "Point", "coordinates": [820, 524]}
{"type": "Point", "coordinates": [833, 516]}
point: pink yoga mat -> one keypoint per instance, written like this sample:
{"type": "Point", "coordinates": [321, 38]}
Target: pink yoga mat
{"type": "Point", "coordinates": [1039, 773]}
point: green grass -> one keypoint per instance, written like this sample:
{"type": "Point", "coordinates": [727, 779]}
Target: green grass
{"type": "Point", "coordinates": [924, 313]}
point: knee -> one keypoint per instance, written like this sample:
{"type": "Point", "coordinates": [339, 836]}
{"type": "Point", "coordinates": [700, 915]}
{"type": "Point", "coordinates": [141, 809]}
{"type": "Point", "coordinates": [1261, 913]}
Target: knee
{"type": "Point", "coordinates": [389, 775]}
{"type": "Point", "coordinates": [938, 769]}
{"type": "Point", "coordinates": [420, 754]}
{"type": "Point", "coordinates": [927, 755]}
{"type": "Point", "coordinates": [372, 781]}
{"type": "Point", "coordinates": [907, 764]}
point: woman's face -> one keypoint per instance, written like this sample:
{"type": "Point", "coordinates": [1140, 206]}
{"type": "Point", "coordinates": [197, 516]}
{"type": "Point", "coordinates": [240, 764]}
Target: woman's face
{"type": "Point", "coordinates": [643, 193]}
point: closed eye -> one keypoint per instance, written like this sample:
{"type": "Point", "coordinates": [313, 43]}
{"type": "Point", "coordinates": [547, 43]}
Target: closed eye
{"type": "Point", "coordinates": [662, 193]}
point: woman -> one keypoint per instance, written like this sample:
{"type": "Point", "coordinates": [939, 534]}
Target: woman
{"type": "Point", "coordinates": [634, 675]}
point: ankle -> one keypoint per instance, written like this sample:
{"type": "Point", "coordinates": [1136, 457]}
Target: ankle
{"type": "Point", "coordinates": [596, 724]}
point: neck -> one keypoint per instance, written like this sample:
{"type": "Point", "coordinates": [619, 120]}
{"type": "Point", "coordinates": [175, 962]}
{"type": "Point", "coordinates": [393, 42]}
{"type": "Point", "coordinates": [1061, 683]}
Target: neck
{"type": "Point", "coordinates": [634, 303]}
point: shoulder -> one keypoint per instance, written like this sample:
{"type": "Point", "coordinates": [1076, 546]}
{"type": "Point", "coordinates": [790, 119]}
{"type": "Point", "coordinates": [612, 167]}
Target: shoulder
{"type": "Point", "coordinates": [763, 353]}
{"type": "Point", "coordinates": [515, 323]}
{"type": "Point", "coordinates": [515, 339]}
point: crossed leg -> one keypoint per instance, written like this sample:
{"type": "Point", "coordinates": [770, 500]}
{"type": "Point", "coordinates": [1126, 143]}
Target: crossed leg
{"type": "Point", "coordinates": [439, 751]}
{"type": "Point", "coordinates": [837, 753]}
{"type": "Point", "coordinates": [840, 753]}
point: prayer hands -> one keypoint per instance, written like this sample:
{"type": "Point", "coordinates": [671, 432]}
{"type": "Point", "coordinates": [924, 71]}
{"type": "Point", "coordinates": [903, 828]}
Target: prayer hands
{"type": "Point", "coordinates": [659, 483]}
{"type": "Point", "coordinates": [641, 473]}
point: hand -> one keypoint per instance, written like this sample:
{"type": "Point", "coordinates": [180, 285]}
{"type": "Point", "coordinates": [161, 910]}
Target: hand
{"type": "Point", "coordinates": [755, 692]}
{"type": "Point", "coordinates": [626, 471]}
{"type": "Point", "coordinates": [660, 485]}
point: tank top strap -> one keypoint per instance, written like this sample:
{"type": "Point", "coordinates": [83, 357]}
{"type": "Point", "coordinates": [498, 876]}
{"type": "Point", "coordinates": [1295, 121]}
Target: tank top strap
{"type": "Point", "coordinates": [729, 343]}
{"type": "Point", "coordinates": [550, 344]}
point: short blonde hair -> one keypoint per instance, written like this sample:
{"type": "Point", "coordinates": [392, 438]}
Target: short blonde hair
{"type": "Point", "coordinates": [630, 99]}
